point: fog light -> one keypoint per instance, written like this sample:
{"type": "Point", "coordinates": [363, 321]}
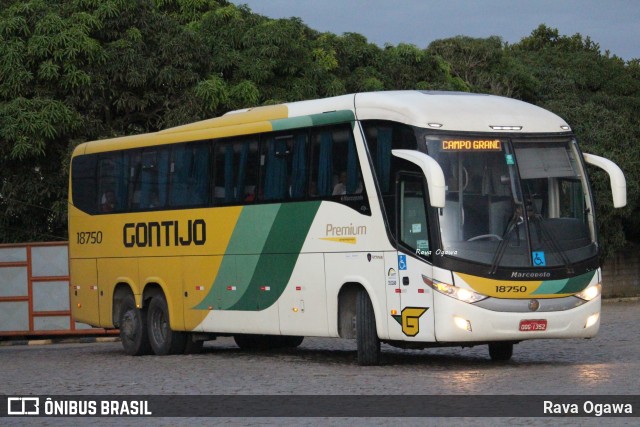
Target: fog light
{"type": "Point", "coordinates": [461, 323]}
{"type": "Point", "coordinates": [592, 320]}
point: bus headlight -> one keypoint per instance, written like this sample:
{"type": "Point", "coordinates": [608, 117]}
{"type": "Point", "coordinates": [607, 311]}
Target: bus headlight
{"type": "Point", "coordinates": [590, 293]}
{"type": "Point", "coordinates": [464, 295]}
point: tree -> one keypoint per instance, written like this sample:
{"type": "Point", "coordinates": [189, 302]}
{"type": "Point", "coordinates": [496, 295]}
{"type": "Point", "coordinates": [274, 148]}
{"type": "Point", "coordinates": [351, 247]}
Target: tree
{"type": "Point", "coordinates": [484, 65]}
{"type": "Point", "coordinates": [76, 71]}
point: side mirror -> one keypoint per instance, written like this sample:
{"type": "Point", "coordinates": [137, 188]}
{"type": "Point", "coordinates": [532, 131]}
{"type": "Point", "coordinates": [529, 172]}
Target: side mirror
{"type": "Point", "coordinates": [616, 176]}
{"type": "Point", "coordinates": [432, 172]}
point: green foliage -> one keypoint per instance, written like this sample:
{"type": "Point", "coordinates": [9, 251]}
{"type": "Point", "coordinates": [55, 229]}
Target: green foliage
{"type": "Point", "coordinates": [213, 92]}
{"type": "Point", "coordinates": [78, 70]}
{"type": "Point", "coordinates": [483, 65]}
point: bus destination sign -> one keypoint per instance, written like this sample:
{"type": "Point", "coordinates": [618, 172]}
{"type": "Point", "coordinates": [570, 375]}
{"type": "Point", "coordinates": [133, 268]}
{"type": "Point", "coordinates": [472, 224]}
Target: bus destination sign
{"type": "Point", "coordinates": [471, 145]}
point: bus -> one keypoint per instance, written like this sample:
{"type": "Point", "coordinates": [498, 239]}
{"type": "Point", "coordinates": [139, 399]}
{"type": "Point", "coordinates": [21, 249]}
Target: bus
{"type": "Point", "coordinates": [413, 218]}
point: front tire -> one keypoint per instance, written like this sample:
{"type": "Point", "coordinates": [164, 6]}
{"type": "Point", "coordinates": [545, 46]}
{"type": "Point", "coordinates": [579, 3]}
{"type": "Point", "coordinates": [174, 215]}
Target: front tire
{"type": "Point", "coordinates": [163, 340]}
{"type": "Point", "coordinates": [289, 341]}
{"type": "Point", "coordinates": [501, 351]}
{"type": "Point", "coordinates": [366, 332]}
{"type": "Point", "coordinates": [133, 328]}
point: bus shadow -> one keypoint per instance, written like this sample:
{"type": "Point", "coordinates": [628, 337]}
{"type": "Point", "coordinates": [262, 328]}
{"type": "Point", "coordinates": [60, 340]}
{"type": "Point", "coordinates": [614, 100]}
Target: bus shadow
{"type": "Point", "coordinates": [394, 358]}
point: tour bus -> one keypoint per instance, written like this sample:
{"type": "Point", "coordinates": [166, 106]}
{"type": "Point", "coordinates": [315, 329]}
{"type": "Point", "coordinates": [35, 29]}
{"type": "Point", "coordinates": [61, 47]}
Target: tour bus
{"type": "Point", "coordinates": [414, 218]}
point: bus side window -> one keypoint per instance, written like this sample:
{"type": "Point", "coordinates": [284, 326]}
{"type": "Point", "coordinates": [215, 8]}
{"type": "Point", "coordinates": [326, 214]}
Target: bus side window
{"type": "Point", "coordinates": [285, 167]}
{"type": "Point", "coordinates": [112, 182]}
{"type": "Point", "coordinates": [189, 175]}
{"type": "Point", "coordinates": [150, 188]}
{"type": "Point", "coordinates": [235, 171]}
{"type": "Point", "coordinates": [335, 169]}
{"type": "Point", "coordinates": [83, 183]}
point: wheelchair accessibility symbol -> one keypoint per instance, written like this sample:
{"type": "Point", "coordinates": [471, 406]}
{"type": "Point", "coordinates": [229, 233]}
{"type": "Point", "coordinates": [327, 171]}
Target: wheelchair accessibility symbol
{"type": "Point", "coordinates": [402, 262]}
{"type": "Point", "coordinates": [538, 259]}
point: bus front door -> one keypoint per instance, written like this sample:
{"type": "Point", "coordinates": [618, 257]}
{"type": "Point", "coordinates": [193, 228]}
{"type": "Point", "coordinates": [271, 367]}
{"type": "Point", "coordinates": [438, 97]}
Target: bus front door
{"type": "Point", "coordinates": [416, 317]}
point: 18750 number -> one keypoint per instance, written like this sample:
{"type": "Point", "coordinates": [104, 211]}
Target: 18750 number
{"type": "Point", "coordinates": [89, 237]}
{"type": "Point", "coordinates": [514, 289]}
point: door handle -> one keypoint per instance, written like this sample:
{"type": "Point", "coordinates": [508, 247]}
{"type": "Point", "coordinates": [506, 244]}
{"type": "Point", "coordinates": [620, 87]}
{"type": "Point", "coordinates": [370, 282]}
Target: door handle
{"type": "Point", "coordinates": [405, 281]}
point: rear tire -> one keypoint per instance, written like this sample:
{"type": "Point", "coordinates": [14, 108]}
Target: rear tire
{"type": "Point", "coordinates": [500, 351]}
{"type": "Point", "coordinates": [163, 340]}
{"type": "Point", "coordinates": [366, 332]}
{"type": "Point", "coordinates": [133, 328]}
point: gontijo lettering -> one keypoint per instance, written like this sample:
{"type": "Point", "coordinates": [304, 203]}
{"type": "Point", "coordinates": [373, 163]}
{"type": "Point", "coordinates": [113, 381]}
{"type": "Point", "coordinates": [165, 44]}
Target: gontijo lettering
{"type": "Point", "coordinates": [165, 233]}
{"type": "Point", "coordinates": [472, 144]}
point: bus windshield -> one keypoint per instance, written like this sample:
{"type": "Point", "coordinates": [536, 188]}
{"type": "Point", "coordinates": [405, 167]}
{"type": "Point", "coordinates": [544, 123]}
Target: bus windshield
{"type": "Point", "coordinates": [514, 203]}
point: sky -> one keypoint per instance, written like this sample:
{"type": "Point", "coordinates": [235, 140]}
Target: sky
{"type": "Point", "coordinates": [613, 24]}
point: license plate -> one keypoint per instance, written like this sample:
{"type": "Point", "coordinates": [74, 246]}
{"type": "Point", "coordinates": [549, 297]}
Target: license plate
{"type": "Point", "coordinates": [533, 325]}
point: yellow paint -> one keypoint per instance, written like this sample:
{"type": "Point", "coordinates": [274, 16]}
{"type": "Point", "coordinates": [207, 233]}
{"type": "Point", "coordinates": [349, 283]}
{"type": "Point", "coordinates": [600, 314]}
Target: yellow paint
{"type": "Point", "coordinates": [83, 298]}
{"type": "Point", "coordinates": [259, 114]}
{"type": "Point", "coordinates": [154, 139]}
{"type": "Point", "coordinates": [410, 320]}
{"type": "Point", "coordinates": [349, 240]}
{"type": "Point", "coordinates": [502, 288]}
{"type": "Point", "coordinates": [177, 269]}
{"type": "Point", "coordinates": [254, 121]}
{"type": "Point", "coordinates": [220, 223]}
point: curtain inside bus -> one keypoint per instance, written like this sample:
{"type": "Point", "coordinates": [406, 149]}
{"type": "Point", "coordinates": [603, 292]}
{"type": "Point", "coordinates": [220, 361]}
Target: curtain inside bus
{"type": "Point", "coordinates": [325, 165]}
{"type": "Point", "coordinates": [299, 167]}
{"type": "Point", "coordinates": [354, 183]}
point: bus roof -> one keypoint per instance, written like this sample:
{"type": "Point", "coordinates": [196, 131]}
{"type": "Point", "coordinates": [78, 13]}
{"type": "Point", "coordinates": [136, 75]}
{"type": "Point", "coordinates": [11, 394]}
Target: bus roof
{"type": "Point", "coordinates": [447, 111]}
{"type": "Point", "coordinates": [458, 111]}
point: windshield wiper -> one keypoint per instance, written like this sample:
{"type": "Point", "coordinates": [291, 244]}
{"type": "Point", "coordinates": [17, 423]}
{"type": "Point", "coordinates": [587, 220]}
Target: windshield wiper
{"type": "Point", "coordinates": [514, 223]}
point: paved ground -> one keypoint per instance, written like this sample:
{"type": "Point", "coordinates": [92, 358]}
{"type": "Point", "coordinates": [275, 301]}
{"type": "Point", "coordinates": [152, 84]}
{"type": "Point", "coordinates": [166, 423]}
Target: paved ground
{"type": "Point", "coordinates": [609, 364]}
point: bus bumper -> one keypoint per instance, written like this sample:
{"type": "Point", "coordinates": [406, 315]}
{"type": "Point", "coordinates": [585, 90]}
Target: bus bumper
{"type": "Point", "coordinates": [457, 321]}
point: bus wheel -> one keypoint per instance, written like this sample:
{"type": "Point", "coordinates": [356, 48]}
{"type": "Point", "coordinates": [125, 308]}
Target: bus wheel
{"type": "Point", "coordinates": [163, 340]}
{"type": "Point", "coordinates": [286, 341]}
{"type": "Point", "coordinates": [366, 332]}
{"type": "Point", "coordinates": [252, 342]}
{"type": "Point", "coordinates": [133, 328]}
{"type": "Point", "coordinates": [500, 351]}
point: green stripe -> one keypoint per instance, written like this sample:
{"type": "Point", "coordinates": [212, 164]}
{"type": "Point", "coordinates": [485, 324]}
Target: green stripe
{"type": "Point", "coordinates": [280, 254]}
{"type": "Point", "coordinates": [263, 252]}
{"type": "Point", "coordinates": [292, 123]}
{"type": "Point", "coordinates": [252, 229]}
{"type": "Point", "coordinates": [341, 116]}
{"type": "Point", "coordinates": [577, 284]}
{"type": "Point", "coordinates": [333, 117]}
{"type": "Point", "coordinates": [565, 286]}
{"type": "Point", "coordinates": [248, 237]}
{"type": "Point", "coordinates": [550, 287]}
